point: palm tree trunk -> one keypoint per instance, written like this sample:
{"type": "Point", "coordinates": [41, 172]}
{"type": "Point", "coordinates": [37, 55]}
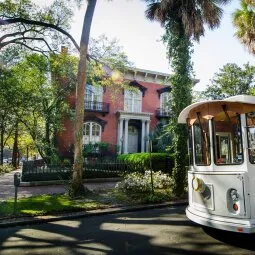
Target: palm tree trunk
{"type": "Point", "coordinates": [180, 48]}
{"type": "Point", "coordinates": [77, 183]}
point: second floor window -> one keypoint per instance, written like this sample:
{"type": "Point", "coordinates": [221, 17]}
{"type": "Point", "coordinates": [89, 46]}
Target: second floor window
{"type": "Point", "coordinates": [133, 101]}
{"type": "Point", "coordinates": [93, 97]}
{"type": "Point", "coordinates": [165, 102]}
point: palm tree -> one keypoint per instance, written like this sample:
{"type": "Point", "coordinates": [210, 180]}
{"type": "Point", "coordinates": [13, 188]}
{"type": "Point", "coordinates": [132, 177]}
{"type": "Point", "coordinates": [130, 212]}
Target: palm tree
{"type": "Point", "coordinates": [184, 21]}
{"type": "Point", "coordinates": [243, 20]}
{"type": "Point", "coordinates": [77, 184]}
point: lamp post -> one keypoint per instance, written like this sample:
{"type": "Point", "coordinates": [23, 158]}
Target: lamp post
{"type": "Point", "coordinates": [149, 138]}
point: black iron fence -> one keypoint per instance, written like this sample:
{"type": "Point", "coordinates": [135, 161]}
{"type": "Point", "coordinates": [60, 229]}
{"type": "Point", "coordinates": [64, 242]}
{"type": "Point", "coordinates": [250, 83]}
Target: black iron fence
{"type": "Point", "coordinates": [34, 171]}
{"type": "Point", "coordinates": [93, 168]}
{"type": "Point", "coordinates": [91, 106]}
{"type": "Point", "coordinates": [163, 113]}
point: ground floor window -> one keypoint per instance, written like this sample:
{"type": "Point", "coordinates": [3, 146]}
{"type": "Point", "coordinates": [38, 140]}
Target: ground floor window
{"type": "Point", "coordinates": [92, 133]}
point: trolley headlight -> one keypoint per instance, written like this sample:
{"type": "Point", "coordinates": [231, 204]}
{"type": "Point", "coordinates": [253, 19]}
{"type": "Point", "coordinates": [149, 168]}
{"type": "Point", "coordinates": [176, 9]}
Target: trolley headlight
{"type": "Point", "coordinates": [198, 185]}
{"type": "Point", "coordinates": [234, 195]}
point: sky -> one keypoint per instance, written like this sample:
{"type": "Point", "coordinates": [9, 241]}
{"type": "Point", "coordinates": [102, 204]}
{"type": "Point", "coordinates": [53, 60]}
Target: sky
{"type": "Point", "coordinates": [141, 38]}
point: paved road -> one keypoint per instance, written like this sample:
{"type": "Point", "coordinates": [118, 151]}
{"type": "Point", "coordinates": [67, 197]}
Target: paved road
{"type": "Point", "coordinates": [158, 231]}
{"type": "Point", "coordinates": [7, 187]}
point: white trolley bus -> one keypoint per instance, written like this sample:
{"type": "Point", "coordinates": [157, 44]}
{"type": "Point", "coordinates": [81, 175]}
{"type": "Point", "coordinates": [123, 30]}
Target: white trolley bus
{"type": "Point", "coordinates": [221, 179]}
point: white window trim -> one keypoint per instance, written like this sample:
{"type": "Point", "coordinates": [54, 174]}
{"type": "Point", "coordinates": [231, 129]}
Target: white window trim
{"type": "Point", "coordinates": [163, 96]}
{"type": "Point", "coordinates": [93, 95]}
{"type": "Point", "coordinates": [133, 101]}
{"type": "Point", "coordinates": [90, 136]}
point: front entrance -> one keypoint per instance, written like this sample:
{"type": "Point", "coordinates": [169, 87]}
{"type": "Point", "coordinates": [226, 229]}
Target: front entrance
{"type": "Point", "coordinates": [132, 139]}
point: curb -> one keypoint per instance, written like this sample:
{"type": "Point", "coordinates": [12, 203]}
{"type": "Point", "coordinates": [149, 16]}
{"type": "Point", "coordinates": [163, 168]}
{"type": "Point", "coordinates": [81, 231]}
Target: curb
{"type": "Point", "coordinates": [63, 182]}
{"type": "Point", "coordinates": [12, 222]}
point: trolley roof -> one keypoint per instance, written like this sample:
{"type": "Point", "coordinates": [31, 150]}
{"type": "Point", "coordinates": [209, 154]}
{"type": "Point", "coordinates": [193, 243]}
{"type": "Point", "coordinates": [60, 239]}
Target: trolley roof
{"type": "Point", "coordinates": [208, 109]}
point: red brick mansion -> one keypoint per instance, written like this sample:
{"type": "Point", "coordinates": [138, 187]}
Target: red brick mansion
{"type": "Point", "coordinates": [126, 120]}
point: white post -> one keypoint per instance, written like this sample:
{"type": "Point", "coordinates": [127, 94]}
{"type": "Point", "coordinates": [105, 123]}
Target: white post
{"type": "Point", "coordinates": [142, 136]}
{"type": "Point", "coordinates": [126, 136]}
{"type": "Point", "coordinates": [147, 135]}
{"type": "Point", "coordinates": [120, 135]}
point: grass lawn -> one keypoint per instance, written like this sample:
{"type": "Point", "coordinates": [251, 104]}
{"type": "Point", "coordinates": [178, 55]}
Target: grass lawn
{"type": "Point", "coordinates": [54, 204]}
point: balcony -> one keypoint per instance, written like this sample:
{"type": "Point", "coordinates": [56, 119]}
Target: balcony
{"type": "Point", "coordinates": [92, 106]}
{"type": "Point", "coordinates": [163, 113]}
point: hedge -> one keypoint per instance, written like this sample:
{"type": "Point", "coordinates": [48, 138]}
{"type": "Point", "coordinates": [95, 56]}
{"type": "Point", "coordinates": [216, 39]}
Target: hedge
{"type": "Point", "coordinates": [160, 161]}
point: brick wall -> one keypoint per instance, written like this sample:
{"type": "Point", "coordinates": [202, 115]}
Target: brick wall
{"type": "Point", "coordinates": [150, 102]}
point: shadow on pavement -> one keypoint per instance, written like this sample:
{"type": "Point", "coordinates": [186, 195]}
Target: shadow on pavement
{"type": "Point", "coordinates": [245, 241]}
{"type": "Point", "coordinates": [161, 231]}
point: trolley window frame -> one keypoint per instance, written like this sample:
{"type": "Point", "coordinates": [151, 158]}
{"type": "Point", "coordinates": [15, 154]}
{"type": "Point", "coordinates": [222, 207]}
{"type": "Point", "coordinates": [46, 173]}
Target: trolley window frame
{"type": "Point", "coordinates": [214, 133]}
{"type": "Point", "coordinates": [248, 139]}
{"type": "Point", "coordinates": [209, 143]}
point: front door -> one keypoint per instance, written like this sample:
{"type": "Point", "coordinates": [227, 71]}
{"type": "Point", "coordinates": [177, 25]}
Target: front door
{"type": "Point", "coordinates": [132, 139]}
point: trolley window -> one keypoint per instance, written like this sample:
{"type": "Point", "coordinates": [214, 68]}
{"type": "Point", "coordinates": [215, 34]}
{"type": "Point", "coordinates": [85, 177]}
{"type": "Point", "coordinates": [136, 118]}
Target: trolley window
{"type": "Point", "coordinates": [201, 142]}
{"type": "Point", "coordinates": [228, 148]}
{"type": "Point", "coordinates": [190, 148]}
{"type": "Point", "coordinates": [250, 122]}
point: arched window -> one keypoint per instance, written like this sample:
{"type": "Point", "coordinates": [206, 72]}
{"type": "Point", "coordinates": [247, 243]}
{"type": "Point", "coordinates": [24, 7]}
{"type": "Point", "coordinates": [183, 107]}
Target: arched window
{"type": "Point", "coordinates": [165, 102]}
{"type": "Point", "coordinates": [92, 133]}
{"type": "Point", "coordinates": [133, 101]}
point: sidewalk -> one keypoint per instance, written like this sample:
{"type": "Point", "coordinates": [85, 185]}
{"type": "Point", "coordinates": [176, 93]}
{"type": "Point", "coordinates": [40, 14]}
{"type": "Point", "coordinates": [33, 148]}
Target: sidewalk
{"type": "Point", "coordinates": [7, 187]}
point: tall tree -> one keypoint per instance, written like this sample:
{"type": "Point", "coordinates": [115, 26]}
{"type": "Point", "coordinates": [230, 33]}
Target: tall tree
{"type": "Point", "coordinates": [184, 21]}
{"type": "Point", "coordinates": [22, 16]}
{"type": "Point", "coordinates": [243, 20]}
{"type": "Point", "coordinates": [39, 29]}
{"type": "Point", "coordinates": [77, 183]}
{"type": "Point", "coordinates": [7, 101]}
{"type": "Point", "coordinates": [231, 80]}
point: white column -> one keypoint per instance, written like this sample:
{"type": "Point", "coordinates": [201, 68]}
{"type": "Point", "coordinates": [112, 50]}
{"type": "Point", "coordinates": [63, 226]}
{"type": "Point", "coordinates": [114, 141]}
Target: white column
{"type": "Point", "coordinates": [147, 135]}
{"type": "Point", "coordinates": [126, 136]}
{"type": "Point", "coordinates": [142, 136]}
{"type": "Point", "coordinates": [120, 135]}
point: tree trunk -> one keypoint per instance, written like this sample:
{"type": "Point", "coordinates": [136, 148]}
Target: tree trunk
{"type": "Point", "coordinates": [77, 183]}
{"type": "Point", "coordinates": [15, 148]}
{"type": "Point", "coordinates": [2, 144]}
{"type": "Point", "coordinates": [47, 140]}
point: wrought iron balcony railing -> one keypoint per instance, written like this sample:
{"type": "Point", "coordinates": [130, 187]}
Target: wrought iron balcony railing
{"type": "Point", "coordinates": [91, 106]}
{"type": "Point", "coordinates": [163, 113]}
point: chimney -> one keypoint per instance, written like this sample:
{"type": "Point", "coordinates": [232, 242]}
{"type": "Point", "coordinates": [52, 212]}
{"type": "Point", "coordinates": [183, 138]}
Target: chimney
{"type": "Point", "coordinates": [64, 50]}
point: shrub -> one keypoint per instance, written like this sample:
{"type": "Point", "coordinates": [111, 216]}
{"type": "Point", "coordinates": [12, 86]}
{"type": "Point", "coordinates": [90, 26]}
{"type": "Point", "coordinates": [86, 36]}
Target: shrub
{"type": "Point", "coordinates": [160, 161]}
{"type": "Point", "coordinates": [6, 169]}
{"type": "Point", "coordinates": [141, 183]}
{"type": "Point", "coordinates": [67, 162]}
{"type": "Point", "coordinates": [162, 139]}
{"type": "Point", "coordinates": [95, 148]}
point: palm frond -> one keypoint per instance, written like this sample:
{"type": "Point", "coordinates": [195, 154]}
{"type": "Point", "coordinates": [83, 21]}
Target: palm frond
{"type": "Point", "coordinates": [152, 11]}
{"type": "Point", "coordinates": [244, 21]}
{"type": "Point", "coordinates": [194, 14]}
